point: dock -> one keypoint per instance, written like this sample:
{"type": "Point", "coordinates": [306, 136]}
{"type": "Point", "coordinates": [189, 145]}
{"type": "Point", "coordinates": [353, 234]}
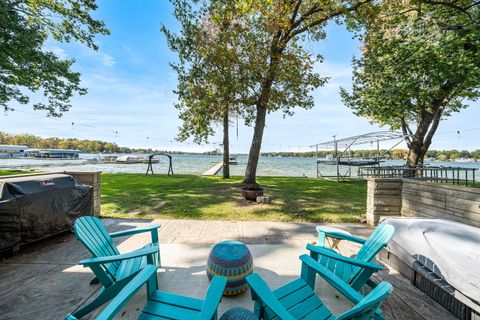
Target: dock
{"type": "Point", "coordinates": [213, 170]}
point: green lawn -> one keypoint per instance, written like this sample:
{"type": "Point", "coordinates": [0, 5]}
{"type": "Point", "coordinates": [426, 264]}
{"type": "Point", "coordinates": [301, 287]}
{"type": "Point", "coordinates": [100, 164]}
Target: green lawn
{"type": "Point", "coordinates": [13, 172]}
{"type": "Point", "coordinates": [196, 197]}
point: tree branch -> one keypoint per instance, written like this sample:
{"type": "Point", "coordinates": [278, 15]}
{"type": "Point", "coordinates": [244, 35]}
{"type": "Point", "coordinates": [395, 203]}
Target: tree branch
{"type": "Point", "coordinates": [433, 128]}
{"type": "Point", "coordinates": [406, 132]}
{"type": "Point", "coordinates": [325, 18]}
{"type": "Point", "coordinates": [452, 5]}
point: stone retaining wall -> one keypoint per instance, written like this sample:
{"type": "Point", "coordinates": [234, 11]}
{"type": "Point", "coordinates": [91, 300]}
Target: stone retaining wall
{"type": "Point", "coordinates": [415, 198]}
{"type": "Point", "coordinates": [383, 199]}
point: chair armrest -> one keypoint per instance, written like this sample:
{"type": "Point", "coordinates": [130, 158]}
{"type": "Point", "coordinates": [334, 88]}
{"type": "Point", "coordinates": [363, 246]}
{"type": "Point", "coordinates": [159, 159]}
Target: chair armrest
{"type": "Point", "coordinates": [267, 297]}
{"type": "Point", "coordinates": [213, 298]}
{"type": "Point", "coordinates": [134, 254]}
{"type": "Point", "coordinates": [340, 235]}
{"type": "Point", "coordinates": [332, 279]}
{"type": "Point", "coordinates": [332, 255]}
{"type": "Point", "coordinates": [129, 232]}
{"type": "Point", "coordinates": [124, 296]}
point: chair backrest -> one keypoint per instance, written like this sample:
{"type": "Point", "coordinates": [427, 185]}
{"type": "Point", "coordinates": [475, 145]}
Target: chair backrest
{"type": "Point", "coordinates": [93, 235]}
{"type": "Point", "coordinates": [377, 240]}
{"type": "Point", "coordinates": [369, 304]}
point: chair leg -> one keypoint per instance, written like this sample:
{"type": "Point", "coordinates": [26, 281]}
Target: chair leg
{"type": "Point", "coordinates": [371, 283]}
{"type": "Point", "coordinates": [258, 309]}
{"type": "Point", "coordinates": [94, 281]}
{"type": "Point", "coordinates": [103, 297]}
{"type": "Point", "coordinates": [157, 261]}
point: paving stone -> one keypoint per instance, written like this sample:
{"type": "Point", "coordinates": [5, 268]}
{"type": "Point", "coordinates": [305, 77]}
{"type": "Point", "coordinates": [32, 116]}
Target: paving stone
{"type": "Point", "coordinates": [223, 229]}
{"type": "Point", "coordinates": [183, 228]}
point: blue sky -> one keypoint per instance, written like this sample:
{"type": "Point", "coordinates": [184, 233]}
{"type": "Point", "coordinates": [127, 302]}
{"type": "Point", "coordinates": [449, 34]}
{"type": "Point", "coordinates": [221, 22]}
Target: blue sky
{"type": "Point", "coordinates": [130, 95]}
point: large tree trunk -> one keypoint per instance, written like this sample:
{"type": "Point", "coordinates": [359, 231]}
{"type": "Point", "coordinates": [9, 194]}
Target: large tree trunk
{"type": "Point", "coordinates": [251, 171]}
{"type": "Point", "coordinates": [226, 147]}
{"type": "Point", "coordinates": [416, 154]}
{"type": "Point", "coordinates": [419, 142]}
{"type": "Point", "coordinates": [250, 180]}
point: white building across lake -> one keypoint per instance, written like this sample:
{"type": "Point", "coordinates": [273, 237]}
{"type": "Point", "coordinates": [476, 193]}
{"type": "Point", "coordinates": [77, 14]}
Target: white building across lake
{"type": "Point", "coordinates": [11, 151]}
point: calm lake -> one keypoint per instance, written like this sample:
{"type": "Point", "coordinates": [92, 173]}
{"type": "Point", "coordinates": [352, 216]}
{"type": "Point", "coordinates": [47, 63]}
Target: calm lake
{"type": "Point", "coordinates": [197, 164]}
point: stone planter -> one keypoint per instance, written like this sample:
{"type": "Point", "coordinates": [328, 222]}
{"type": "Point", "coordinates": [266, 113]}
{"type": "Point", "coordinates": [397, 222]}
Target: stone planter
{"type": "Point", "coordinates": [252, 194]}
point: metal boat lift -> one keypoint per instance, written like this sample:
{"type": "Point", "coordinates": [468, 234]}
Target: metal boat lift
{"type": "Point", "coordinates": [341, 152]}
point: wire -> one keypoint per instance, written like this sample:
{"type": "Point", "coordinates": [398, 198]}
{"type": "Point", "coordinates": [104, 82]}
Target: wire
{"type": "Point", "coordinates": [171, 141]}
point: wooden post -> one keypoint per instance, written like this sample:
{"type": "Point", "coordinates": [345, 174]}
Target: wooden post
{"type": "Point", "coordinates": [336, 156]}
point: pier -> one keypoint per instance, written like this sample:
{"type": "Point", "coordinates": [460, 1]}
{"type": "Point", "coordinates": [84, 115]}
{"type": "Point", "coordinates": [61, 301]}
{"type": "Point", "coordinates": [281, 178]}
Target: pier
{"type": "Point", "coordinates": [213, 170]}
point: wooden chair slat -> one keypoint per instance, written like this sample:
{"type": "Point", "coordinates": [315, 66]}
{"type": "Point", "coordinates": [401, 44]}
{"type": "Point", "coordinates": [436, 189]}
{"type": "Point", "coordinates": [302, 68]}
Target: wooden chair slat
{"type": "Point", "coordinates": [296, 297]}
{"type": "Point", "coordinates": [303, 308]}
{"type": "Point", "coordinates": [176, 300]}
{"type": "Point", "coordinates": [289, 288]}
{"type": "Point", "coordinates": [169, 311]}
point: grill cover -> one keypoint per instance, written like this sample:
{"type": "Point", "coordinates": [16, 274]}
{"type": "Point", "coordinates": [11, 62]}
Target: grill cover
{"type": "Point", "coordinates": [35, 207]}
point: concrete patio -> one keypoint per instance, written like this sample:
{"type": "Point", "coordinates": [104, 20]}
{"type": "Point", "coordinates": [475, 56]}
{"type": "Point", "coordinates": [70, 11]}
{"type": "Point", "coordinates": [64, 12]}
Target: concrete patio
{"type": "Point", "coordinates": [44, 281]}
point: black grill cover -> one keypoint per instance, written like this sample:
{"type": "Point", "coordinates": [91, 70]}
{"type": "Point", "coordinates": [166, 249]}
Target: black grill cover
{"type": "Point", "coordinates": [35, 207]}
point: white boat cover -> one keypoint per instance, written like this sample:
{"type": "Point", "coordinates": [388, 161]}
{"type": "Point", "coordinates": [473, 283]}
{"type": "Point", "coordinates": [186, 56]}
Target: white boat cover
{"type": "Point", "coordinates": [450, 249]}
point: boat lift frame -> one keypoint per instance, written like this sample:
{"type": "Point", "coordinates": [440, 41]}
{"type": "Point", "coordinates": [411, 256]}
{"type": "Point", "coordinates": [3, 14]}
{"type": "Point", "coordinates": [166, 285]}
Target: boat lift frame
{"type": "Point", "coordinates": [150, 163]}
{"type": "Point", "coordinates": [339, 159]}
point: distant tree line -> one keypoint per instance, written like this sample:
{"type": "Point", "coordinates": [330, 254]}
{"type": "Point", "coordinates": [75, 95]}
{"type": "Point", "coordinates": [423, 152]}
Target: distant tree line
{"type": "Point", "coordinates": [85, 146]}
{"type": "Point", "coordinates": [97, 146]}
{"type": "Point", "coordinates": [396, 154]}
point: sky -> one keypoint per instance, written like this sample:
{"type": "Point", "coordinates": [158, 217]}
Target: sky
{"type": "Point", "coordinates": [130, 93]}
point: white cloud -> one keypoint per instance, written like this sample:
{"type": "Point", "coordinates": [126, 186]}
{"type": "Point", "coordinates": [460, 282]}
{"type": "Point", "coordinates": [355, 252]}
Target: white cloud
{"type": "Point", "coordinates": [133, 55]}
{"type": "Point", "coordinates": [106, 59]}
{"type": "Point", "coordinates": [59, 52]}
{"type": "Point", "coordinates": [334, 70]}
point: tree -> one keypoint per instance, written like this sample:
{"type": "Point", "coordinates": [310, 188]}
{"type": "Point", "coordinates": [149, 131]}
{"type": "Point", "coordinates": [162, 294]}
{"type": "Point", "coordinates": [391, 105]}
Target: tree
{"type": "Point", "coordinates": [420, 63]}
{"type": "Point", "coordinates": [211, 83]}
{"type": "Point", "coordinates": [278, 70]}
{"type": "Point", "coordinates": [282, 27]}
{"type": "Point", "coordinates": [26, 66]}
{"type": "Point", "coordinates": [476, 154]}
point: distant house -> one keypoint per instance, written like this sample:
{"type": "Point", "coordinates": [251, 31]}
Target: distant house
{"type": "Point", "coordinates": [11, 151]}
{"type": "Point", "coordinates": [53, 153]}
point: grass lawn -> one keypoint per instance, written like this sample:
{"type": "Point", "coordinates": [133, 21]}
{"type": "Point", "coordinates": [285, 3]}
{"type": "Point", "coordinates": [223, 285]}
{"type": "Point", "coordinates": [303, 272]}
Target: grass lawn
{"type": "Point", "coordinates": [196, 197]}
{"type": "Point", "coordinates": [13, 172]}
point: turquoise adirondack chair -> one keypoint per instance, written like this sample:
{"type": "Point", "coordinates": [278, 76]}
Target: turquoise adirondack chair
{"type": "Point", "coordinates": [297, 300]}
{"type": "Point", "coordinates": [163, 305]}
{"type": "Point", "coordinates": [354, 271]}
{"type": "Point", "coordinates": [112, 269]}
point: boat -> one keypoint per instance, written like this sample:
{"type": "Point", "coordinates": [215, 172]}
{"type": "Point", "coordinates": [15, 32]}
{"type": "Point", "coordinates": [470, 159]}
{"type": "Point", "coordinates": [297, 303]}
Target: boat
{"type": "Point", "coordinates": [53, 153]}
{"type": "Point", "coordinates": [232, 159]}
{"type": "Point", "coordinates": [134, 159]}
{"type": "Point", "coordinates": [108, 159]}
{"type": "Point", "coordinates": [441, 255]}
{"type": "Point", "coordinates": [12, 151]}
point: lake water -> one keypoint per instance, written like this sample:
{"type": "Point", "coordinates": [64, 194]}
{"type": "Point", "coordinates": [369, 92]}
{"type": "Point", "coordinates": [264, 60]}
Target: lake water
{"type": "Point", "coordinates": [197, 164]}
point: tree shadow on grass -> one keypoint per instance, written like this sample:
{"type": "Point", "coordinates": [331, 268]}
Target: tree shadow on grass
{"type": "Point", "coordinates": [196, 197]}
